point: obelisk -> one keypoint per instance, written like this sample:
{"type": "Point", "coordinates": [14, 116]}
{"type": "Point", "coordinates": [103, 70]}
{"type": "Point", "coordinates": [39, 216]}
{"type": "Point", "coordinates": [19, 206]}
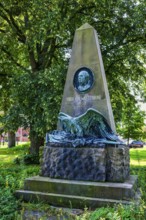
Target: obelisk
{"type": "Point", "coordinates": [85, 60]}
{"type": "Point", "coordinates": [81, 166]}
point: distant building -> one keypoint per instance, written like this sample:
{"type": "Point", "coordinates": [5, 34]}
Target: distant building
{"type": "Point", "coordinates": [22, 135]}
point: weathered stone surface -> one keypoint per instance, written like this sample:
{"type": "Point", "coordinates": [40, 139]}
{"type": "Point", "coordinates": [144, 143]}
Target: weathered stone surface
{"type": "Point", "coordinates": [79, 194]}
{"type": "Point", "coordinates": [36, 215]}
{"type": "Point", "coordinates": [106, 163]}
{"type": "Point", "coordinates": [74, 163]}
{"type": "Point", "coordinates": [90, 189]}
{"type": "Point", "coordinates": [117, 164]}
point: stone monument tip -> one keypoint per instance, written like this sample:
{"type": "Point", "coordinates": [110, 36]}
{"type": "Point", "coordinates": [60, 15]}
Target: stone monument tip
{"type": "Point", "coordinates": [85, 26]}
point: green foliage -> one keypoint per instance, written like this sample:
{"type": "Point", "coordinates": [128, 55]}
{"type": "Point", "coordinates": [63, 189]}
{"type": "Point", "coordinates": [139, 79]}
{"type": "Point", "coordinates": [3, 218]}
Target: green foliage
{"type": "Point", "coordinates": [42, 93]}
{"type": "Point", "coordinates": [132, 121]}
{"type": "Point", "coordinates": [11, 178]}
{"type": "Point", "coordinates": [138, 167]}
{"type": "Point", "coordinates": [31, 159]}
{"type": "Point", "coordinates": [101, 213]}
{"type": "Point", "coordinates": [17, 160]}
{"type": "Point", "coordinates": [9, 205]}
{"type": "Point", "coordinates": [24, 155]}
{"type": "Point", "coordinates": [118, 212]}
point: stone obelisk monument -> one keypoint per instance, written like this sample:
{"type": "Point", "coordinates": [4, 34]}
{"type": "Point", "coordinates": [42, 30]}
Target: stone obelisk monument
{"type": "Point", "coordinates": [86, 55]}
{"type": "Point", "coordinates": [84, 162]}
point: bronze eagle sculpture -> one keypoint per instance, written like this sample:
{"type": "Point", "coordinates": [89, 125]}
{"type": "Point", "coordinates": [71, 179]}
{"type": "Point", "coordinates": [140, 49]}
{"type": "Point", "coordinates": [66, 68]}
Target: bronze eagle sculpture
{"type": "Point", "coordinates": [88, 128]}
{"type": "Point", "coordinates": [92, 123]}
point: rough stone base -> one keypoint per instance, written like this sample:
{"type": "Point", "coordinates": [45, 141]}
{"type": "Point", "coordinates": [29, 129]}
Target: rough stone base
{"type": "Point", "coordinates": [78, 194]}
{"type": "Point", "coordinates": [106, 163]}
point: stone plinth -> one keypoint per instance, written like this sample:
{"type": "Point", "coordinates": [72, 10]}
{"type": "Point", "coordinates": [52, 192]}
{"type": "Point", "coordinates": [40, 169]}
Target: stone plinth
{"type": "Point", "coordinates": [99, 163]}
{"type": "Point", "coordinates": [104, 167]}
{"type": "Point", "coordinates": [79, 194]}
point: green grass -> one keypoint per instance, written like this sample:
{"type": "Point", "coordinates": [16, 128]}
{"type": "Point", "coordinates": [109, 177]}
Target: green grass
{"type": "Point", "coordinates": [138, 157]}
{"type": "Point", "coordinates": [12, 177]}
{"type": "Point", "coordinates": [7, 155]}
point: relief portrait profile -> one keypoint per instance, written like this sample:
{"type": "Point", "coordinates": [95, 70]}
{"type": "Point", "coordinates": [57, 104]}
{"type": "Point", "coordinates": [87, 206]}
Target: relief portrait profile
{"type": "Point", "coordinates": [83, 80]}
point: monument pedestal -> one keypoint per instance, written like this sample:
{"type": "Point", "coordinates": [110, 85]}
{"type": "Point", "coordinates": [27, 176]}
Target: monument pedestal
{"type": "Point", "coordinates": [79, 194]}
{"type": "Point", "coordinates": [99, 162]}
{"type": "Point", "coordinates": [83, 177]}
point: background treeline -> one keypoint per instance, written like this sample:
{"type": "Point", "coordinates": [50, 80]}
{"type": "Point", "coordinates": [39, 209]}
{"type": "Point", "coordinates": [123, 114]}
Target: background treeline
{"type": "Point", "coordinates": [35, 39]}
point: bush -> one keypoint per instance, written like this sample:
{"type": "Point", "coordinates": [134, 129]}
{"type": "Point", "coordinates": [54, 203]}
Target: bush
{"type": "Point", "coordinates": [8, 204]}
{"type": "Point", "coordinates": [12, 178]}
{"type": "Point", "coordinates": [17, 160]}
{"type": "Point", "coordinates": [31, 159]}
{"type": "Point", "coordinates": [119, 212]}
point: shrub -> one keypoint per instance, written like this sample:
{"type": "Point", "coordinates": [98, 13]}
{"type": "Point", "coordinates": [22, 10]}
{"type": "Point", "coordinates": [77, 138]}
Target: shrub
{"type": "Point", "coordinates": [17, 160]}
{"type": "Point", "coordinates": [31, 159]}
{"type": "Point", "coordinates": [8, 204]}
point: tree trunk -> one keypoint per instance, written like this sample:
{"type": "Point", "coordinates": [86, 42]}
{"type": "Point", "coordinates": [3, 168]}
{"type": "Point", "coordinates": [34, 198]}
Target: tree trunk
{"type": "Point", "coordinates": [11, 139]}
{"type": "Point", "coordinates": [36, 141]}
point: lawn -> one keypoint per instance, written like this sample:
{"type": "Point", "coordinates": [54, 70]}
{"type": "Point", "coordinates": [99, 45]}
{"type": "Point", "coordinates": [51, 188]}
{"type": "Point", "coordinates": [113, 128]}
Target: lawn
{"type": "Point", "coordinates": [7, 156]}
{"type": "Point", "coordinates": [13, 171]}
{"type": "Point", "coordinates": [138, 157]}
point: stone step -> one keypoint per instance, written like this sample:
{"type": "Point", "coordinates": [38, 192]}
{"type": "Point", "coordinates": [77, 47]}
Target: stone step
{"type": "Point", "coordinates": [108, 190]}
{"type": "Point", "coordinates": [71, 201]}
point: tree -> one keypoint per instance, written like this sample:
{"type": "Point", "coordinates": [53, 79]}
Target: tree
{"type": "Point", "coordinates": [132, 122]}
{"type": "Point", "coordinates": [34, 38]}
{"type": "Point", "coordinates": [5, 103]}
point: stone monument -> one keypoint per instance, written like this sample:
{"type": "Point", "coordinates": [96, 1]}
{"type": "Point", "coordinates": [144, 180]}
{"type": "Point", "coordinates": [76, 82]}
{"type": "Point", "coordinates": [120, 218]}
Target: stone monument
{"type": "Point", "coordinates": [84, 162]}
{"type": "Point", "coordinates": [85, 60]}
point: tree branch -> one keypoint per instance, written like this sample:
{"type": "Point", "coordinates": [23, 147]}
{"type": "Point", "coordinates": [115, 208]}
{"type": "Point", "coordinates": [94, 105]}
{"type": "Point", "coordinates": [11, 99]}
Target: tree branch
{"type": "Point", "coordinates": [112, 63]}
{"type": "Point", "coordinates": [21, 36]}
{"type": "Point", "coordinates": [12, 23]}
{"type": "Point", "coordinates": [32, 60]}
{"type": "Point", "coordinates": [10, 56]}
{"type": "Point", "coordinates": [121, 41]}
{"type": "Point", "coordinates": [48, 59]}
{"type": "Point", "coordinates": [81, 10]}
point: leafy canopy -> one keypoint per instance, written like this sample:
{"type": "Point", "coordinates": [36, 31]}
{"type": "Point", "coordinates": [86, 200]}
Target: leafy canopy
{"type": "Point", "coordinates": [34, 38]}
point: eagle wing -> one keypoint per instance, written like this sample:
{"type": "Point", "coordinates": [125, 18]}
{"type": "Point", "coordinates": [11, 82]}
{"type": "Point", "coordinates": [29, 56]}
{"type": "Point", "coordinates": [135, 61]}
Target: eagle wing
{"type": "Point", "coordinates": [90, 124]}
{"type": "Point", "coordinates": [94, 124]}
